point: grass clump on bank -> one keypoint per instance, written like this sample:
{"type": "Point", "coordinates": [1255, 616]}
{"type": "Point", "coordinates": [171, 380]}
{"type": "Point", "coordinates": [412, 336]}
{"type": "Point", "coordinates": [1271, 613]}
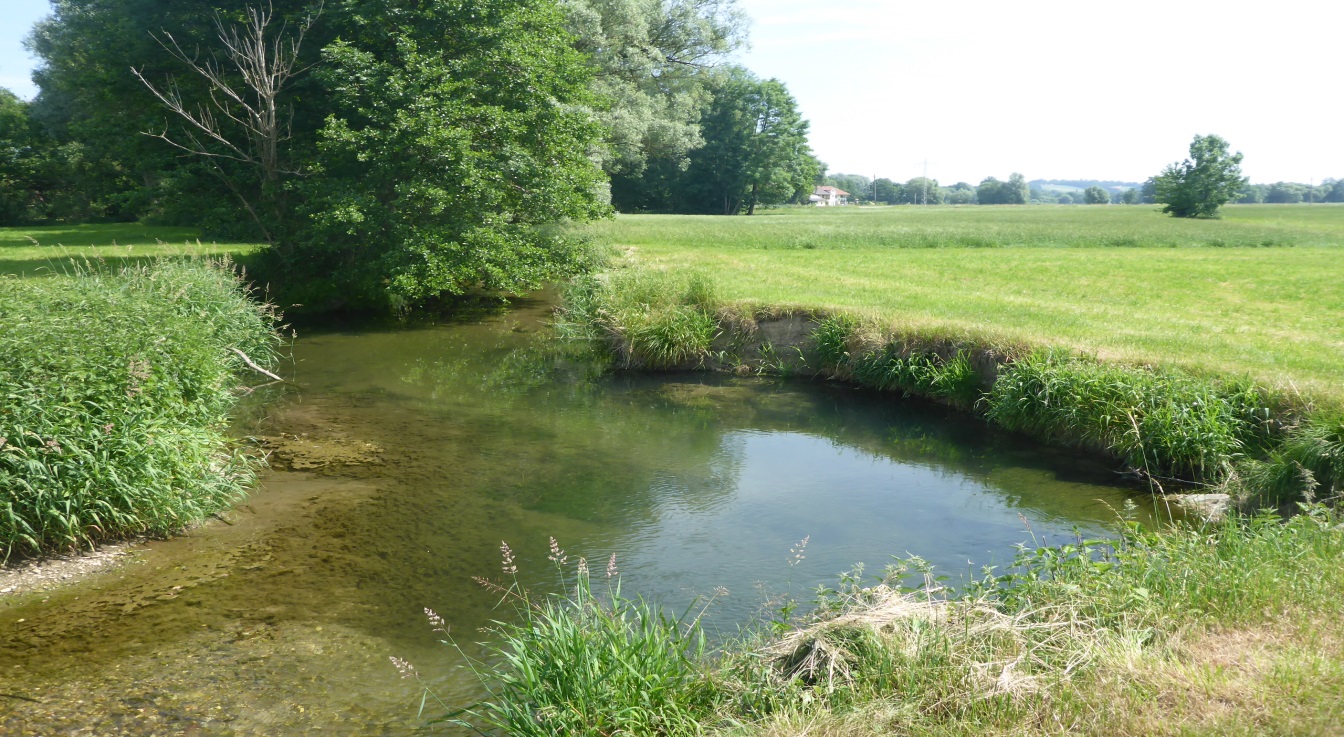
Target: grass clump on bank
{"type": "Point", "coordinates": [1074, 639]}
{"type": "Point", "coordinates": [116, 391]}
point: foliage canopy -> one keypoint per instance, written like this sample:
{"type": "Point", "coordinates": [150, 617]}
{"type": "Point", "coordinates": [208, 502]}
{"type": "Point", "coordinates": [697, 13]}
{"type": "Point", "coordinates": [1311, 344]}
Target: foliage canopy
{"type": "Point", "coordinates": [1198, 186]}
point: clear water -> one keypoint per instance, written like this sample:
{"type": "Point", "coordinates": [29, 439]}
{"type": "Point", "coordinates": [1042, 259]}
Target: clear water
{"type": "Point", "coordinates": [282, 620]}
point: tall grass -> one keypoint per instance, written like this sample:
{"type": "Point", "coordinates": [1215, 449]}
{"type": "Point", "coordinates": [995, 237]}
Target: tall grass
{"type": "Point", "coordinates": [1165, 422]}
{"type": "Point", "coordinates": [654, 319]}
{"type": "Point", "coordinates": [1078, 638]}
{"type": "Point", "coordinates": [116, 392]}
{"type": "Point", "coordinates": [588, 661]}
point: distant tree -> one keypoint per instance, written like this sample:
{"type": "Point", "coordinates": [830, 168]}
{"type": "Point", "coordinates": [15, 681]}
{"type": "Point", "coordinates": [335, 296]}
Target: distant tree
{"type": "Point", "coordinates": [1201, 184]}
{"type": "Point", "coordinates": [887, 191]}
{"type": "Point", "coordinates": [922, 191]}
{"type": "Point", "coordinates": [1286, 193]}
{"type": "Point", "coordinates": [1064, 198]}
{"type": "Point", "coordinates": [1252, 194]}
{"type": "Point", "coordinates": [1148, 191]}
{"type": "Point", "coordinates": [1129, 197]}
{"type": "Point", "coordinates": [1334, 190]}
{"type": "Point", "coordinates": [960, 193]}
{"type": "Point", "coordinates": [1096, 196]}
{"type": "Point", "coordinates": [1015, 191]}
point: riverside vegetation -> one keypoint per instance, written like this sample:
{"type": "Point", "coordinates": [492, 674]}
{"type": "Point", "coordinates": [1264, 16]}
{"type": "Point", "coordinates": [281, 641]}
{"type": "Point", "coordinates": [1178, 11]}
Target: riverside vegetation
{"type": "Point", "coordinates": [1069, 639]}
{"type": "Point", "coordinates": [117, 390]}
{"type": "Point", "coordinates": [1230, 626]}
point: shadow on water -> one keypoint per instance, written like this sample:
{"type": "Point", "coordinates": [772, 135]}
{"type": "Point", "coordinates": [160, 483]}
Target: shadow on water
{"type": "Point", "coordinates": [411, 451]}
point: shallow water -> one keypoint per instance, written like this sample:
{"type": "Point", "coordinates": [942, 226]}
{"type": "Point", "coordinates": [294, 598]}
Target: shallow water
{"type": "Point", "coordinates": [281, 620]}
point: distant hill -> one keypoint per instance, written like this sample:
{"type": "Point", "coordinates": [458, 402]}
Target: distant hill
{"type": "Point", "coordinates": [1078, 185]}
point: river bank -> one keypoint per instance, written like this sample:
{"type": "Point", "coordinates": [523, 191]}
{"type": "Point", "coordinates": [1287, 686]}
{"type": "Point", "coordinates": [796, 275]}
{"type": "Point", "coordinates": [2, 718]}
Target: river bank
{"type": "Point", "coordinates": [1231, 626]}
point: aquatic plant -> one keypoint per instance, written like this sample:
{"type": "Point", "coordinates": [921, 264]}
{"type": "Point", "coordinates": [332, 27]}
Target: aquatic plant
{"type": "Point", "coordinates": [117, 387]}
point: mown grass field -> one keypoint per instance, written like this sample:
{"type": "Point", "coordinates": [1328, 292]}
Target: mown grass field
{"type": "Point", "coordinates": [1257, 292]}
{"type": "Point", "coordinates": [48, 249]}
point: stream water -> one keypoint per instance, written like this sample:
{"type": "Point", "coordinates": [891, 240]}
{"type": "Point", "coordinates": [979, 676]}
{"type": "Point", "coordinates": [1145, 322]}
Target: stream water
{"type": "Point", "coordinates": [409, 454]}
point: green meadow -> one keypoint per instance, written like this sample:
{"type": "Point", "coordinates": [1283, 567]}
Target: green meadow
{"type": "Point", "coordinates": [50, 249]}
{"type": "Point", "coordinates": [1256, 293]}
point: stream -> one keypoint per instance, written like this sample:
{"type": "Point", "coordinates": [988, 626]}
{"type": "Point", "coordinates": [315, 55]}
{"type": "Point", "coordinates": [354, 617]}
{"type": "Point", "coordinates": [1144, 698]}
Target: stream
{"type": "Point", "coordinates": [409, 453]}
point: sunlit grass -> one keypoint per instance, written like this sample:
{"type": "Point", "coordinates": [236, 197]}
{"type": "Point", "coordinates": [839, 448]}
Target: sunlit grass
{"type": "Point", "coordinates": [1045, 277]}
{"type": "Point", "coordinates": [51, 249]}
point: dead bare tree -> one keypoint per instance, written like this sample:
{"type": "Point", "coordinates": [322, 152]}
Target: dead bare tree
{"type": "Point", "coordinates": [245, 120]}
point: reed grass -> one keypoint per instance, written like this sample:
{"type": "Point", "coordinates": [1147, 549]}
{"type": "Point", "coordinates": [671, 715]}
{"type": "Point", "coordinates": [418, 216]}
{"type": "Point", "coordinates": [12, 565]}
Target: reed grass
{"type": "Point", "coordinates": [586, 661]}
{"type": "Point", "coordinates": [116, 390]}
{"type": "Point", "coordinates": [1080, 638]}
{"type": "Point", "coordinates": [1163, 422]}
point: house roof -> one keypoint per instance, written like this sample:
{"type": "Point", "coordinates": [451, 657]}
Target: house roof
{"type": "Point", "coordinates": [827, 189]}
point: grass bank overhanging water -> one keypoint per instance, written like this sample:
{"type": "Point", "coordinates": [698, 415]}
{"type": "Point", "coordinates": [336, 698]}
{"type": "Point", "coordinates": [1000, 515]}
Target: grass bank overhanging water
{"type": "Point", "coordinates": [1265, 445]}
{"type": "Point", "coordinates": [117, 391]}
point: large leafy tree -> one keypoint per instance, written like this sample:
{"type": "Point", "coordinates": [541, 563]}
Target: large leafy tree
{"type": "Point", "coordinates": [454, 133]}
{"type": "Point", "coordinates": [1199, 185]}
{"type": "Point", "coordinates": [649, 59]}
{"type": "Point", "coordinates": [24, 163]}
{"type": "Point", "coordinates": [412, 148]}
{"type": "Point", "coordinates": [756, 150]}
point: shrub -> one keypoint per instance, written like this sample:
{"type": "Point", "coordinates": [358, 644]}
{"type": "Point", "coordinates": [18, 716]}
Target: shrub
{"type": "Point", "coordinates": [116, 392]}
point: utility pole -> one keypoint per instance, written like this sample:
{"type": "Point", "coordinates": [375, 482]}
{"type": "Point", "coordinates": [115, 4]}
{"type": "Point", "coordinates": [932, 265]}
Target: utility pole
{"type": "Point", "coordinates": [874, 189]}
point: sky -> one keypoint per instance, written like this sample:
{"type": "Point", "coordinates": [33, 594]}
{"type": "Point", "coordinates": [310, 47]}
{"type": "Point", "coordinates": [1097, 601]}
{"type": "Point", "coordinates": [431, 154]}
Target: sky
{"type": "Point", "coordinates": [1050, 89]}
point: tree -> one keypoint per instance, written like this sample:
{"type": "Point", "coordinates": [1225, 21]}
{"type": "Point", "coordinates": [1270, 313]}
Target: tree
{"type": "Point", "coordinates": [1286, 193]}
{"type": "Point", "coordinates": [922, 191]}
{"type": "Point", "coordinates": [1199, 185]}
{"type": "Point", "coordinates": [1148, 191]}
{"type": "Point", "coordinates": [1334, 190]}
{"type": "Point", "coordinates": [23, 150]}
{"type": "Point", "coordinates": [649, 60]}
{"type": "Point", "coordinates": [1015, 191]}
{"type": "Point", "coordinates": [1095, 195]}
{"type": "Point", "coordinates": [960, 193]}
{"type": "Point", "coordinates": [247, 120]}
{"type": "Point", "coordinates": [1129, 197]}
{"type": "Point", "coordinates": [755, 151]}
{"type": "Point", "coordinates": [887, 191]}
{"type": "Point", "coordinates": [1252, 194]}
{"type": "Point", "coordinates": [452, 135]}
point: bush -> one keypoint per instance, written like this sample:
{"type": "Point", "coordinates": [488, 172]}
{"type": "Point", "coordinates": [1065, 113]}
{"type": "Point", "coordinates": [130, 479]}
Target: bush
{"type": "Point", "coordinates": [116, 393]}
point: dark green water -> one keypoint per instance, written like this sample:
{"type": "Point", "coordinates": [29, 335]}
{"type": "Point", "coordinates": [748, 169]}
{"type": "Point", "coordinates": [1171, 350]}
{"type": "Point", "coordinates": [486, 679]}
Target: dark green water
{"type": "Point", "coordinates": [281, 622]}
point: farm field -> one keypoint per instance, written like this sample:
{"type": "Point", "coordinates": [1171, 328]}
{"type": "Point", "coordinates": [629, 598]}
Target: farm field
{"type": "Point", "coordinates": [1043, 275]}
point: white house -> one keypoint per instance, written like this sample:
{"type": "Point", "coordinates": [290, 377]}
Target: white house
{"type": "Point", "coordinates": [828, 196]}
